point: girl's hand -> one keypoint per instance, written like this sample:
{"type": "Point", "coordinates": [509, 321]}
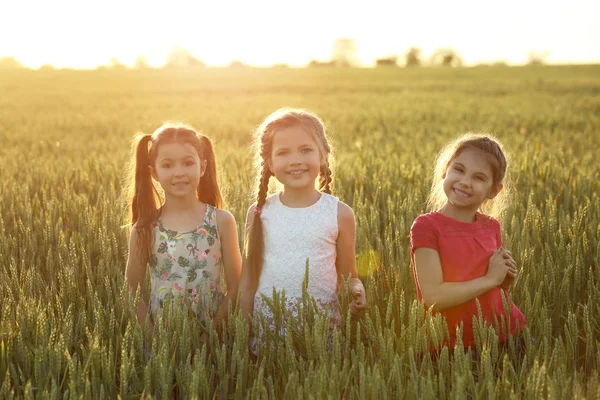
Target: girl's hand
{"type": "Point", "coordinates": [358, 306]}
{"type": "Point", "coordinates": [510, 262]}
{"type": "Point", "coordinates": [498, 267]}
{"type": "Point", "coordinates": [512, 271]}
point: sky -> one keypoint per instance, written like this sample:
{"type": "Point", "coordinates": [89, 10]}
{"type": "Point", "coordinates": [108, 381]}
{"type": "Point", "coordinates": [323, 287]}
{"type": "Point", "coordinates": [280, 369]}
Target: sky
{"type": "Point", "coordinates": [85, 33]}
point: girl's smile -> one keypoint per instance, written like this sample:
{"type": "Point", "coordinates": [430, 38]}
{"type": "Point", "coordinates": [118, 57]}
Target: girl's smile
{"type": "Point", "coordinates": [178, 169]}
{"type": "Point", "coordinates": [468, 181]}
{"type": "Point", "coordinates": [461, 193]}
{"type": "Point", "coordinates": [295, 159]}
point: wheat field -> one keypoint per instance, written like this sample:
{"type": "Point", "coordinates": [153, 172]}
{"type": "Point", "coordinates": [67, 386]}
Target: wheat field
{"type": "Point", "coordinates": [65, 331]}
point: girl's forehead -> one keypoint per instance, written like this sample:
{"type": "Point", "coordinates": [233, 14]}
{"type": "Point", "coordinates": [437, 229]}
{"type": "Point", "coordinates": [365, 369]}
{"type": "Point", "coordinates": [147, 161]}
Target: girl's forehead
{"type": "Point", "coordinates": [292, 136]}
{"type": "Point", "coordinates": [175, 150]}
{"type": "Point", "coordinates": [474, 159]}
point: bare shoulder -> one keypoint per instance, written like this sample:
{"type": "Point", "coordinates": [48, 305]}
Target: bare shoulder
{"type": "Point", "coordinates": [225, 219]}
{"type": "Point", "coordinates": [250, 215]}
{"type": "Point", "coordinates": [345, 214]}
{"type": "Point", "coordinates": [224, 216]}
{"type": "Point", "coordinates": [251, 209]}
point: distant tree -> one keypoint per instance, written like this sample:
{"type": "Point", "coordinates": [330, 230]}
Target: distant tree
{"type": "Point", "coordinates": [320, 64]}
{"type": "Point", "coordinates": [446, 57]}
{"type": "Point", "coordinates": [10, 63]}
{"type": "Point", "coordinates": [182, 58]}
{"type": "Point", "coordinates": [141, 62]}
{"type": "Point", "coordinates": [413, 57]}
{"type": "Point", "coordinates": [537, 57]}
{"type": "Point", "coordinates": [237, 64]}
{"type": "Point", "coordinates": [47, 67]}
{"type": "Point", "coordinates": [391, 61]}
{"type": "Point", "coordinates": [497, 63]}
{"type": "Point", "coordinates": [344, 53]}
{"type": "Point", "coordinates": [116, 64]}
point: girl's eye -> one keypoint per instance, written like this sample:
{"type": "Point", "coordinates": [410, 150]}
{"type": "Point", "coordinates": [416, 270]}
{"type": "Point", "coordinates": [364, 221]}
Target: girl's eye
{"type": "Point", "coordinates": [306, 150]}
{"type": "Point", "coordinates": [166, 165]}
{"type": "Point", "coordinates": [281, 153]}
{"type": "Point", "coordinates": [188, 164]}
{"type": "Point", "coordinates": [480, 178]}
{"type": "Point", "coordinates": [459, 169]}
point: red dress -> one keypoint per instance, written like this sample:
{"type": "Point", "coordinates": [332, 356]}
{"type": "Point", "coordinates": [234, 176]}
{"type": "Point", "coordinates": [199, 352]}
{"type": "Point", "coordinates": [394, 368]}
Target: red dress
{"type": "Point", "coordinates": [465, 250]}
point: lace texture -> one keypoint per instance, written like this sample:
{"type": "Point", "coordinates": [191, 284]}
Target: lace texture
{"type": "Point", "coordinates": [297, 236]}
{"type": "Point", "coordinates": [299, 243]}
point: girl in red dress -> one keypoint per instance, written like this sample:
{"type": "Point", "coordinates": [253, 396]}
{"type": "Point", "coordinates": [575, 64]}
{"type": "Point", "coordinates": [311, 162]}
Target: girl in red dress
{"type": "Point", "coordinates": [456, 249]}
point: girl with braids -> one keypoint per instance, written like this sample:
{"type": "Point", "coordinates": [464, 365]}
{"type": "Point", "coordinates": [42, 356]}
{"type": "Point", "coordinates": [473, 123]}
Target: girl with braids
{"type": "Point", "coordinates": [187, 238]}
{"type": "Point", "coordinates": [301, 223]}
{"type": "Point", "coordinates": [457, 254]}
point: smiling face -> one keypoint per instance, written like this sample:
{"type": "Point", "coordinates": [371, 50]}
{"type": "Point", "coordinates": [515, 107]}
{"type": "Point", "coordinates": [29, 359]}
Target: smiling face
{"type": "Point", "coordinates": [469, 181]}
{"type": "Point", "coordinates": [295, 158]}
{"type": "Point", "coordinates": [178, 169]}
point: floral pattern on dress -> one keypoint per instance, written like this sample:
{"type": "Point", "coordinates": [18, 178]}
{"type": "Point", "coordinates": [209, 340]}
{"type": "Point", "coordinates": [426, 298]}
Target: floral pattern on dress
{"type": "Point", "coordinates": [186, 266]}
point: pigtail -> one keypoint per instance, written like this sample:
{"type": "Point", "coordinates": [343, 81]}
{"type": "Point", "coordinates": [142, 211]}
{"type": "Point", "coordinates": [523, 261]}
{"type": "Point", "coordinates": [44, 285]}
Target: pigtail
{"type": "Point", "coordinates": [325, 178]}
{"type": "Point", "coordinates": [255, 245]}
{"type": "Point", "coordinates": [145, 200]}
{"type": "Point", "coordinates": [208, 189]}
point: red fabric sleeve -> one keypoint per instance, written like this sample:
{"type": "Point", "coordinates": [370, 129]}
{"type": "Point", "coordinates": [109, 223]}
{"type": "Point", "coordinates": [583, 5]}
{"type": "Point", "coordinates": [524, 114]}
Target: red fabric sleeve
{"type": "Point", "coordinates": [498, 233]}
{"type": "Point", "coordinates": [423, 233]}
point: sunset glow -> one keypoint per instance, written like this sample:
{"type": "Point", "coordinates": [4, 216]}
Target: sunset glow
{"type": "Point", "coordinates": [86, 34]}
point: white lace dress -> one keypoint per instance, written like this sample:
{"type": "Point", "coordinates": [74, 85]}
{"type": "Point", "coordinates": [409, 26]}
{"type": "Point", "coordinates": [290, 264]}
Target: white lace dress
{"type": "Point", "coordinates": [293, 235]}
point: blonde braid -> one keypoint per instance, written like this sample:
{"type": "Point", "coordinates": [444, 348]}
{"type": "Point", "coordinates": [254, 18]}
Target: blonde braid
{"type": "Point", "coordinates": [325, 178]}
{"type": "Point", "coordinates": [263, 186]}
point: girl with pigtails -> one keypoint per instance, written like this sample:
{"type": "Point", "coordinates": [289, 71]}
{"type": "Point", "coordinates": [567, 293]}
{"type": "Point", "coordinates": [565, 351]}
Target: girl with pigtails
{"type": "Point", "coordinates": [183, 237]}
{"type": "Point", "coordinates": [300, 223]}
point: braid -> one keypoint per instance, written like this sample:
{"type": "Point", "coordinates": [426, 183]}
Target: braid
{"type": "Point", "coordinates": [325, 178]}
{"type": "Point", "coordinates": [263, 186]}
{"type": "Point", "coordinates": [256, 244]}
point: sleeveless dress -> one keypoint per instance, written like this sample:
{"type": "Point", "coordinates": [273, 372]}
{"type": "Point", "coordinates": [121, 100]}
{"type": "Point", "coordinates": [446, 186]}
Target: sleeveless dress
{"type": "Point", "coordinates": [186, 267]}
{"type": "Point", "coordinates": [291, 236]}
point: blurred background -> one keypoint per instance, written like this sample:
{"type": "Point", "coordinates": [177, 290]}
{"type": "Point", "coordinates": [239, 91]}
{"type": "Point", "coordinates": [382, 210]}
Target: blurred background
{"type": "Point", "coordinates": [267, 33]}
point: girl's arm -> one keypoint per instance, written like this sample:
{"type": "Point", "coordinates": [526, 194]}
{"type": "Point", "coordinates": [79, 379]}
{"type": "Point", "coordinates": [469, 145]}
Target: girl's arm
{"type": "Point", "coordinates": [247, 287]}
{"type": "Point", "coordinates": [346, 259]}
{"type": "Point", "coordinates": [232, 262]}
{"type": "Point", "coordinates": [441, 295]}
{"type": "Point", "coordinates": [136, 274]}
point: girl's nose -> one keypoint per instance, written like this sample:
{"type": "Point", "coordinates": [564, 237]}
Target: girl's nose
{"type": "Point", "coordinates": [295, 159]}
{"type": "Point", "coordinates": [179, 171]}
{"type": "Point", "coordinates": [465, 181]}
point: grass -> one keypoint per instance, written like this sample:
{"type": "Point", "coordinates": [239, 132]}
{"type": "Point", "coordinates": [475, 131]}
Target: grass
{"type": "Point", "coordinates": [65, 331]}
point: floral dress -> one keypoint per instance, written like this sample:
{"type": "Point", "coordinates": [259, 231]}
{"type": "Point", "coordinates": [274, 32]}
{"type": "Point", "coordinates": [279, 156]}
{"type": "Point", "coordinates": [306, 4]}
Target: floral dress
{"type": "Point", "coordinates": [186, 267]}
